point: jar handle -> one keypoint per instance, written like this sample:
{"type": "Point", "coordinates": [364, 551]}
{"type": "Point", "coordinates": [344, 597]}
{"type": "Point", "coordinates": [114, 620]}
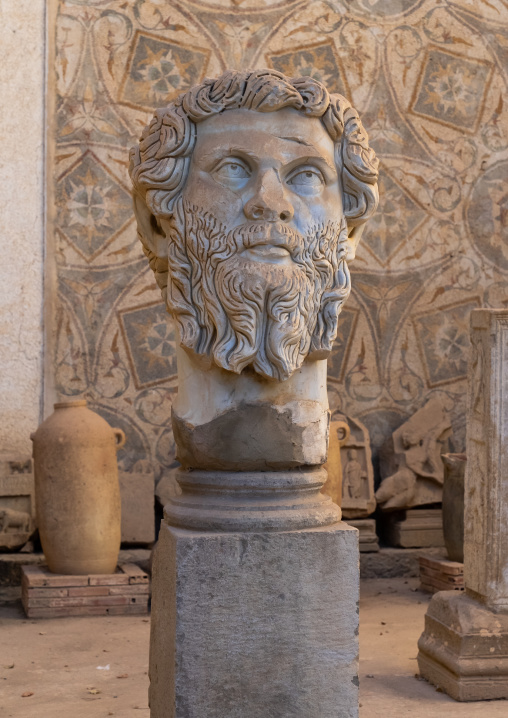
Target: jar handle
{"type": "Point", "coordinates": [120, 438]}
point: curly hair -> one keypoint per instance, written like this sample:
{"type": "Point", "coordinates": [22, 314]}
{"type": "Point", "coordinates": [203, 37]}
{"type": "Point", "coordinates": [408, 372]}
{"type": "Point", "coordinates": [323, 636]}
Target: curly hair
{"type": "Point", "coordinates": [159, 164]}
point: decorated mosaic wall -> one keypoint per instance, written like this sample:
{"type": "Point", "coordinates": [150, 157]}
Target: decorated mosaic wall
{"type": "Point", "coordinates": [427, 77]}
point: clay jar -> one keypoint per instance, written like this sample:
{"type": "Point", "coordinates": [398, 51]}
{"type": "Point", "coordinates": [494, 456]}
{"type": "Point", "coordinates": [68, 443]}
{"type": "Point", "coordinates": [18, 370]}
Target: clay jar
{"type": "Point", "coordinates": [76, 490]}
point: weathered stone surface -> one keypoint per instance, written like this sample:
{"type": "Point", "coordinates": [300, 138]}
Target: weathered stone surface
{"type": "Point", "coordinates": [416, 528]}
{"type": "Point", "coordinates": [411, 464]}
{"type": "Point", "coordinates": [137, 498]}
{"type": "Point", "coordinates": [453, 505]}
{"type": "Point", "coordinates": [167, 486]}
{"type": "Point", "coordinates": [339, 432]}
{"type": "Point", "coordinates": [395, 562]}
{"type": "Point", "coordinates": [17, 501]}
{"type": "Point", "coordinates": [369, 541]}
{"type": "Point", "coordinates": [252, 437]}
{"type": "Point", "coordinates": [255, 625]}
{"type": "Point", "coordinates": [23, 52]}
{"type": "Point", "coordinates": [358, 499]}
{"type": "Point", "coordinates": [486, 490]}
{"type": "Point", "coordinates": [464, 648]}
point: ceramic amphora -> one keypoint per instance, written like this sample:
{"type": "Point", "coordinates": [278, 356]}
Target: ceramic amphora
{"type": "Point", "coordinates": [76, 490]}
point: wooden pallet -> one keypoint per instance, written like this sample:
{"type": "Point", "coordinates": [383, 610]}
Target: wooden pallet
{"type": "Point", "coordinates": [49, 595]}
{"type": "Point", "coordinates": [440, 575]}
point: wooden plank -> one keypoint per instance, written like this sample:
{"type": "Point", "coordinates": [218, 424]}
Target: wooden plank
{"type": "Point", "coordinates": [450, 567]}
{"type": "Point", "coordinates": [90, 591]}
{"type": "Point", "coordinates": [49, 592]}
{"type": "Point", "coordinates": [61, 612]}
{"type": "Point", "coordinates": [425, 571]}
{"type": "Point", "coordinates": [108, 579]}
{"type": "Point", "coordinates": [80, 601]}
{"type": "Point", "coordinates": [139, 588]}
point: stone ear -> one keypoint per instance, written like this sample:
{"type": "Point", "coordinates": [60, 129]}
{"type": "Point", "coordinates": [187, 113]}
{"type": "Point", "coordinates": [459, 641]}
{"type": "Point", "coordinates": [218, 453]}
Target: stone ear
{"type": "Point", "coordinates": [354, 236]}
{"type": "Point", "coordinates": [149, 228]}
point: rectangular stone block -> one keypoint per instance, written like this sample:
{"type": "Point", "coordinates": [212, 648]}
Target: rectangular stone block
{"type": "Point", "coordinates": [369, 542]}
{"type": "Point", "coordinates": [255, 624]}
{"type": "Point", "coordinates": [486, 481]}
{"type": "Point", "coordinates": [414, 528]}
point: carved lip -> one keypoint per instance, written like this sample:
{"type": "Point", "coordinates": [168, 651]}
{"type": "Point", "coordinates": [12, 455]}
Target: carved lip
{"type": "Point", "coordinates": [268, 235]}
{"type": "Point", "coordinates": [267, 250]}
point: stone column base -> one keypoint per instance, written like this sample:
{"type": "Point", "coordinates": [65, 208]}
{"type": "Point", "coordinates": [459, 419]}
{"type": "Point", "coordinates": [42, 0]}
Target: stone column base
{"type": "Point", "coordinates": [464, 648]}
{"type": "Point", "coordinates": [255, 624]}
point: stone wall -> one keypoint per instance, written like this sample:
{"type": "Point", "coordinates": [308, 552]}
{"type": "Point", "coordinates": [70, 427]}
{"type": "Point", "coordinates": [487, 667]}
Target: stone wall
{"type": "Point", "coordinates": [22, 59]}
{"type": "Point", "coordinates": [429, 82]}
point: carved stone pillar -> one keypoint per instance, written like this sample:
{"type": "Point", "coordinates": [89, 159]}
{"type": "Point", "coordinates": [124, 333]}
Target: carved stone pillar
{"type": "Point", "coordinates": [251, 191]}
{"type": "Point", "coordinates": [464, 648]}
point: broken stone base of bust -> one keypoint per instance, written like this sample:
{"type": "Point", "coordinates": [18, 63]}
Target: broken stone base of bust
{"type": "Point", "coordinates": [255, 600]}
{"type": "Point", "coordinates": [244, 423]}
{"type": "Point", "coordinates": [369, 542]}
{"type": "Point", "coordinates": [464, 648]}
{"type": "Point", "coordinates": [416, 528]}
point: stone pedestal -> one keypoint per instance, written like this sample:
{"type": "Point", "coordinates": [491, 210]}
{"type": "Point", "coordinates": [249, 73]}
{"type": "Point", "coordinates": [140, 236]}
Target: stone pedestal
{"type": "Point", "coordinates": [464, 648]}
{"type": "Point", "coordinates": [415, 528]}
{"type": "Point", "coordinates": [255, 609]}
{"type": "Point", "coordinates": [369, 541]}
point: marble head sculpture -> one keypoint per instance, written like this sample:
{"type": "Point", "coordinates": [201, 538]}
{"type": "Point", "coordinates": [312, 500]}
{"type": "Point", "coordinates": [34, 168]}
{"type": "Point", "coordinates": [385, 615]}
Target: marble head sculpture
{"type": "Point", "coordinates": [250, 195]}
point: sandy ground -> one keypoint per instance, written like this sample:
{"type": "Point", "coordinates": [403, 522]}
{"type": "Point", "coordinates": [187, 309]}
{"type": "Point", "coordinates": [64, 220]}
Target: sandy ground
{"type": "Point", "coordinates": [97, 667]}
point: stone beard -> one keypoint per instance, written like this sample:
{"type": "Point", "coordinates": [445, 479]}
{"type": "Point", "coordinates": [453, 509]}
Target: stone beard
{"type": "Point", "coordinates": [244, 312]}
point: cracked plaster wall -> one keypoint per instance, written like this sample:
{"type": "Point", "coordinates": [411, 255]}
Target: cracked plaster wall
{"type": "Point", "coordinates": [22, 53]}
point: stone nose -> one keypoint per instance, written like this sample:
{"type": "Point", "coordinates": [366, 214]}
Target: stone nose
{"type": "Point", "coordinates": [269, 201]}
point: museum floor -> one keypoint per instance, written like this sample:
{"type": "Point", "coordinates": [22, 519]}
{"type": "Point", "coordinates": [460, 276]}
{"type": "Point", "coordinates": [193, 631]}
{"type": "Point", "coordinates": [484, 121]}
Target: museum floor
{"type": "Point", "coordinates": [97, 667]}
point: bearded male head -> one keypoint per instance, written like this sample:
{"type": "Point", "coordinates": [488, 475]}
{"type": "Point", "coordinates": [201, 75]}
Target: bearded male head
{"type": "Point", "coordinates": [250, 192]}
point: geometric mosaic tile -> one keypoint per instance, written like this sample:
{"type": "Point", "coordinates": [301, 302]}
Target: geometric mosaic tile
{"type": "Point", "coordinates": [150, 340]}
{"type": "Point", "coordinates": [394, 221]}
{"type": "Point", "coordinates": [319, 61]}
{"type": "Point", "coordinates": [443, 340]}
{"type": "Point", "coordinates": [158, 70]}
{"type": "Point", "coordinates": [92, 206]}
{"type": "Point", "coordinates": [452, 89]}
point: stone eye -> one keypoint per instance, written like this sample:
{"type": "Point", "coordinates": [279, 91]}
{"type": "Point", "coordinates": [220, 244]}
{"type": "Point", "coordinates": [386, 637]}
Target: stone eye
{"type": "Point", "coordinates": [233, 171]}
{"type": "Point", "coordinates": [307, 178]}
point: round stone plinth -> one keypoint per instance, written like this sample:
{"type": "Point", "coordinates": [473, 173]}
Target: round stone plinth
{"type": "Point", "coordinates": [251, 501]}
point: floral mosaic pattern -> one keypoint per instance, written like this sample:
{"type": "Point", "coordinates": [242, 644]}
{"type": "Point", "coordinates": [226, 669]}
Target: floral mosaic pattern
{"type": "Point", "coordinates": [92, 206]}
{"type": "Point", "coordinates": [150, 340]}
{"type": "Point", "coordinates": [432, 94]}
{"type": "Point", "coordinates": [452, 89]}
{"type": "Point", "coordinates": [443, 337]}
{"type": "Point", "coordinates": [159, 70]}
{"type": "Point", "coordinates": [320, 61]}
